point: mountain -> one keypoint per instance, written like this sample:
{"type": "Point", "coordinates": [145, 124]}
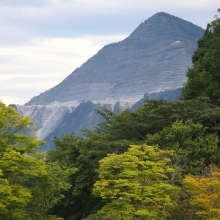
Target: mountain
{"type": "Point", "coordinates": [153, 58]}
{"type": "Point", "coordinates": [150, 63]}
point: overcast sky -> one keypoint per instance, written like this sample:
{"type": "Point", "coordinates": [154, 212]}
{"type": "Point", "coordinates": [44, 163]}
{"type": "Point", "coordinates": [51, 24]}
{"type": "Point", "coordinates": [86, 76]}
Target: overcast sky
{"type": "Point", "coordinates": [43, 41]}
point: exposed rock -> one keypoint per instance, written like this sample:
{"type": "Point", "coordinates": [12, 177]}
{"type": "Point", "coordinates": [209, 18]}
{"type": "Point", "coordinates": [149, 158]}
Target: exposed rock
{"type": "Point", "coordinates": [58, 119]}
{"type": "Point", "coordinates": [45, 118]}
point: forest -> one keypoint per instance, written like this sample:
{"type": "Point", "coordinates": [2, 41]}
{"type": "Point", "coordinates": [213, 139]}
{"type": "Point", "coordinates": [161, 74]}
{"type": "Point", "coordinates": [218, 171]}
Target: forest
{"type": "Point", "coordinates": [159, 161]}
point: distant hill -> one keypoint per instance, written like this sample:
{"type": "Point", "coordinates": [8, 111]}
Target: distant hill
{"type": "Point", "coordinates": [154, 58]}
{"type": "Point", "coordinates": [168, 95]}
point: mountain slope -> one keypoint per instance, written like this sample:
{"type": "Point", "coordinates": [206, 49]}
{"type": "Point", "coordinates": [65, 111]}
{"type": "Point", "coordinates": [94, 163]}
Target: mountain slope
{"type": "Point", "coordinates": [153, 58]}
{"type": "Point", "coordinates": [84, 116]}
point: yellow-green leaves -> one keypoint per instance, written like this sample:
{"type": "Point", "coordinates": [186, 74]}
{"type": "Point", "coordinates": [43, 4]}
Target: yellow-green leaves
{"type": "Point", "coordinates": [19, 161]}
{"type": "Point", "coordinates": [135, 183]}
{"type": "Point", "coordinates": [28, 186]}
{"type": "Point", "coordinates": [205, 194]}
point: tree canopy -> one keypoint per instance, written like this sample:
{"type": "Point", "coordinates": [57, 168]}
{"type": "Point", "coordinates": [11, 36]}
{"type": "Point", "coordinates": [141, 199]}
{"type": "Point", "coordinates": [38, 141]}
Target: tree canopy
{"type": "Point", "coordinates": [28, 185]}
{"type": "Point", "coordinates": [204, 76]}
{"type": "Point", "coordinates": [135, 183]}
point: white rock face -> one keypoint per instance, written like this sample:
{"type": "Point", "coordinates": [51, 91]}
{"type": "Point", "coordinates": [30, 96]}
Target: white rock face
{"type": "Point", "coordinates": [47, 117]}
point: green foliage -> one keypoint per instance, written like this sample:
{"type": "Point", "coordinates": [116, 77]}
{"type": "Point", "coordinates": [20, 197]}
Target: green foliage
{"type": "Point", "coordinates": [117, 133]}
{"type": "Point", "coordinates": [19, 160]}
{"type": "Point", "coordinates": [137, 182]}
{"type": "Point", "coordinates": [204, 193]}
{"type": "Point", "coordinates": [72, 152]}
{"type": "Point", "coordinates": [134, 184]}
{"type": "Point", "coordinates": [28, 186]}
{"type": "Point", "coordinates": [204, 76]}
{"type": "Point", "coordinates": [191, 144]}
{"type": "Point", "coordinates": [48, 189]}
{"type": "Point", "coordinates": [153, 116]}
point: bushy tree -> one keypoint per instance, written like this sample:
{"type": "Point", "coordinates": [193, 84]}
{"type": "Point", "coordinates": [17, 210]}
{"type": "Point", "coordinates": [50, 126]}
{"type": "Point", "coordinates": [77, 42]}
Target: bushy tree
{"type": "Point", "coordinates": [73, 151]}
{"type": "Point", "coordinates": [117, 133]}
{"type": "Point", "coordinates": [192, 146]}
{"type": "Point", "coordinates": [19, 160]}
{"type": "Point", "coordinates": [204, 194]}
{"type": "Point", "coordinates": [135, 184]}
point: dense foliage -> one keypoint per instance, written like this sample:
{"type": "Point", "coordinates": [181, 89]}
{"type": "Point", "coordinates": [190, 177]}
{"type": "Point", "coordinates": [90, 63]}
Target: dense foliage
{"type": "Point", "coordinates": [189, 127]}
{"type": "Point", "coordinates": [135, 184]}
{"type": "Point", "coordinates": [204, 76]}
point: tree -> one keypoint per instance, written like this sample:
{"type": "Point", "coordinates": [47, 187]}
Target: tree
{"type": "Point", "coordinates": [114, 136]}
{"type": "Point", "coordinates": [48, 189]}
{"type": "Point", "coordinates": [72, 151]}
{"type": "Point", "coordinates": [135, 184]}
{"type": "Point", "coordinates": [24, 174]}
{"type": "Point", "coordinates": [19, 160]}
{"type": "Point", "coordinates": [192, 145]}
{"type": "Point", "coordinates": [204, 192]}
{"type": "Point", "coordinates": [204, 76]}
{"type": "Point", "coordinates": [152, 117]}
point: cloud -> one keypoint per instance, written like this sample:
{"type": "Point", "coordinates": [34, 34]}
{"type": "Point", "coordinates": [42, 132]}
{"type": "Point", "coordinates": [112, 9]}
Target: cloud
{"type": "Point", "coordinates": [52, 54]}
{"type": "Point", "coordinates": [26, 71]}
{"type": "Point", "coordinates": [21, 89]}
{"type": "Point", "coordinates": [24, 3]}
{"type": "Point", "coordinates": [77, 18]}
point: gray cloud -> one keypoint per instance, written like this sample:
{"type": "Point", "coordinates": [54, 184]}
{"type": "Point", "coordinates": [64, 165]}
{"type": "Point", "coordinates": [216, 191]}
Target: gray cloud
{"type": "Point", "coordinates": [72, 18]}
{"type": "Point", "coordinates": [24, 3]}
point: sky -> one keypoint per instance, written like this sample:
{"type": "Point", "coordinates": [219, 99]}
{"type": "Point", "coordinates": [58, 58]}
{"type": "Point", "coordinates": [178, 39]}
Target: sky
{"type": "Point", "coordinates": [44, 41]}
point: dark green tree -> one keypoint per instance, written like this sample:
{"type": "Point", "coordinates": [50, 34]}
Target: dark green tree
{"type": "Point", "coordinates": [194, 149]}
{"type": "Point", "coordinates": [192, 146]}
{"type": "Point", "coordinates": [204, 76]}
{"type": "Point", "coordinates": [73, 151]}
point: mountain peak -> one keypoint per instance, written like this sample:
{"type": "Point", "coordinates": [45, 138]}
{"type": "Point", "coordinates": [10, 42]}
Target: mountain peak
{"type": "Point", "coordinates": [167, 26]}
{"type": "Point", "coordinates": [155, 57]}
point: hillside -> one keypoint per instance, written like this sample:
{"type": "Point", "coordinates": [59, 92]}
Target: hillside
{"type": "Point", "coordinates": [155, 57]}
